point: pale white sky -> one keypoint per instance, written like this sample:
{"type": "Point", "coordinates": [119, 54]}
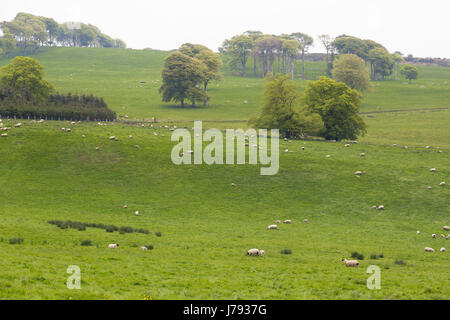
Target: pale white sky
{"type": "Point", "coordinates": [410, 26]}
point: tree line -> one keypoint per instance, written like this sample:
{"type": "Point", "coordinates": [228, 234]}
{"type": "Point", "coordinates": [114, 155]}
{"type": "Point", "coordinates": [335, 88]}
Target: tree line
{"type": "Point", "coordinates": [29, 32]}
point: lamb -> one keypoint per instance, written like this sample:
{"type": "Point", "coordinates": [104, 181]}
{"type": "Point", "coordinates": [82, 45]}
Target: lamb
{"type": "Point", "coordinates": [255, 252]}
{"type": "Point", "coordinates": [287, 221]}
{"type": "Point", "coordinates": [428, 249]}
{"type": "Point", "coordinates": [125, 207]}
{"type": "Point", "coordinates": [113, 246]}
{"type": "Point", "coordinates": [97, 148]}
{"type": "Point", "coordinates": [272, 227]}
{"type": "Point", "coordinates": [350, 263]}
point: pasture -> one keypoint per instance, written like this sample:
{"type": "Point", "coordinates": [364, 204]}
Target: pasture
{"type": "Point", "coordinates": [206, 225]}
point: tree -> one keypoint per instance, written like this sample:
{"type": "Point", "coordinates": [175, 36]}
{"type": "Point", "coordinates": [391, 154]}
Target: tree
{"type": "Point", "coordinates": [254, 35]}
{"type": "Point", "coordinates": [239, 48]}
{"type": "Point", "coordinates": [7, 44]}
{"type": "Point", "coordinates": [181, 77]}
{"type": "Point", "coordinates": [267, 48]}
{"type": "Point", "coordinates": [211, 60]}
{"type": "Point", "coordinates": [398, 58]}
{"type": "Point", "coordinates": [290, 49]}
{"type": "Point", "coordinates": [24, 78]}
{"type": "Point", "coordinates": [281, 109]}
{"type": "Point", "coordinates": [381, 63]}
{"type": "Point", "coordinates": [350, 45]}
{"type": "Point", "coordinates": [409, 72]}
{"type": "Point", "coordinates": [351, 69]}
{"type": "Point", "coordinates": [305, 41]}
{"type": "Point", "coordinates": [338, 106]}
{"type": "Point", "coordinates": [327, 42]}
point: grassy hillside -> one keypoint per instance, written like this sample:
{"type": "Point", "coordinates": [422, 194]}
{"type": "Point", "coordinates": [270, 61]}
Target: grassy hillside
{"type": "Point", "coordinates": [207, 226]}
{"type": "Point", "coordinates": [116, 75]}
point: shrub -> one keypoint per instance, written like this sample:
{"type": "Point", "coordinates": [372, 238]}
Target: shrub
{"type": "Point", "coordinates": [286, 251]}
{"type": "Point", "coordinates": [357, 255]}
{"type": "Point", "coordinates": [86, 243]}
{"type": "Point", "coordinates": [158, 234]}
{"type": "Point", "coordinates": [16, 241]}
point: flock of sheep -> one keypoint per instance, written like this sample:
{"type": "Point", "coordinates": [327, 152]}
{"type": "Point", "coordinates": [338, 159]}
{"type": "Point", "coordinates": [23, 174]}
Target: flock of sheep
{"type": "Point", "coordinates": [255, 251]}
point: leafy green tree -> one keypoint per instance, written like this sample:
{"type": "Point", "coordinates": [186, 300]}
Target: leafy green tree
{"type": "Point", "coordinates": [338, 106]}
{"type": "Point", "coordinates": [239, 48]}
{"type": "Point", "coordinates": [409, 72]}
{"type": "Point", "coordinates": [398, 58]}
{"type": "Point", "coordinates": [267, 48]}
{"type": "Point", "coordinates": [350, 45]}
{"type": "Point", "coordinates": [181, 77]}
{"type": "Point", "coordinates": [281, 110]}
{"type": "Point", "coordinates": [351, 69]}
{"type": "Point", "coordinates": [24, 77]}
{"type": "Point", "coordinates": [305, 41]}
{"type": "Point", "coordinates": [381, 63]}
{"type": "Point", "coordinates": [290, 49]}
{"type": "Point", "coordinates": [210, 59]}
{"type": "Point", "coordinates": [7, 44]}
{"type": "Point", "coordinates": [328, 43]}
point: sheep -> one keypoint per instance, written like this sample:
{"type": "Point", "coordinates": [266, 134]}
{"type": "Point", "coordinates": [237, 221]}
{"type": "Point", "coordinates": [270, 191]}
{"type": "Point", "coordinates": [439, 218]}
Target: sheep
{"type": "Point", "coordinates": [446, 228]}
{"type": "Point", "coordinates": [131, 137]}
{"type": "Point", "coordinates": [417, 232]}
{"type": "Point", "coordinates": [442, 184]}
{"type": "Point", "coordinates": [253, 252]}
{"type": "Point", "coordinates": [306, 221]}
{"type": "Point", "coordinates": [433, 170]}
{"type": "Point", "coordinates": [442, 250]}
{"type": "Point", "coordinates": [433, 236]}
{"type": "Point", "coordinates": [327, 156]}
{"type": "Point", "coordinates": [68, 130]}
{"type": "Point", "coordinates": [137, 213]}
{"type": "Point", "coordinates": [97, 148]}
{"type": "Point", "coordinates": [41, 121]}
{"type": "Point", "coordinates": [144, 248]}
{"type": "Point", "coordinates": [18, 125]}
{"type": "Point", "coordinates": [350, 263]}
{"type": "Point", "coordinates": [272, 227]}
{"type": "Point", "coordinates": [381, 207]}
{"type": "Point", "coordinates": [113, 138]}
{"type": "Point", "coordinates": [442, 235]}
{"type": "Point", "coordinates": [429, 187]}
{"type": "Point", "coordinates": [287, 221]}
{"type": "Point", "coordinates": [347, 145]}
{"type": "Point", "coordinates": [125, 207]}
{"type": "Point", "coordinates": [362, 154]}
{"type": "Point", "coordinates": [427, 147]}
{"type": "Point", "coordinates": [83, 136]}
{"type": "Point", "coordinates": [261, 253]}
{"type": "Point", "coordinates": [394, 145]}
{"type": "Point", "coordinates": [359, 173]}
{"type": "Point", "coordinates": [277, 222]}
{"type": "Point", "coordinates": [113, 246]}
{"type": "Point", "coordinates": [303, 148]}
{"type": "Point", "coordinates": [63, 129]}
{"type": "Point", "coordinates": [428, 249]}
{"type": "Point", "coordinates": [4, 135]}
{"type": "Point", "coordinates": [374, 207]}
{"type": "Point", "coordinates": [233, 185]}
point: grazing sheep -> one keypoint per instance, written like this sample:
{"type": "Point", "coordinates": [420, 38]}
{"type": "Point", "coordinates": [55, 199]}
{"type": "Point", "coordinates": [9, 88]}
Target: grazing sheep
{"type": "Point", "coordinates": [433, 236]}
{"type": "Point", "coordinates": [125, 207]}
{"type": "Point", "coordinates": [83, 136]}
{"type": "Point", "coordinates": [261, 253]}
{"type": "Point", "coordinates": [381, 207]}
{"type": "Point", "coordinates": [63, 129]}
{"type": "Point", "coordinates": [359, 173]}
{"type": "Point", "coordinates": [286, 151]}
{"type": "Point", "coordinates": [442, 250]}
{"type": "Point", "coordinates": [446, 228]}
{"type": "Point", "coordinates": [272, 227]}
{"type": "Point", "coordinates": [306, 221]}
{"type": "Point", "coordinates": [137, 213]}
{"type": "Point", "coordinates": [362, 154]}
{"type": "Point", "coordinates": [113, 138]}
{"type": "Point", "coordinates": [442, 235]}
{"type": "Point", "coordinates": [429, 187]}
{"type": "Point", "coordinates": [287, 221]}
{"type": "Point", "coordinates": [278, 222]}
{"type": "Point", "coordinates": [442, 184]}
{"type": "Point", "coordinates": [427, 147]}
{"type": "Point", "coordinates": [113, 246]}
{"type": "Point", "coordinates": [328, 156]}
{"type": "Point", "coordinates": [350, 263]}
{"type": "Point", "coordinates": [428, 249]}
{"type": "Point", "coordinates": [253, 252]}
{"type": "Point", "coordinates": [374, 207]}
{"type": "Point", "coordinates": [144, 248]}
{"type": "Point", "coordinates": [394, 145]}
{"type": "Point", "coordinates": [233, 185]}
{"type": "Point", "coordinates": [417, 232]}
{"type": "Point", "coordinates": [4, 135]}
{"type": "Point", "coordinates": [68, 130]}
{"type": "Point", "coordinates": [433, 170]}
{"type": "Point", "coordinates": [131, 137]}
{"type": "Point", "coordinates": [97, 148]}
{"type": "Point", "coordinates": [18, 125]}
{"type": "Point", "coordinates": [347, 145]}
{"type": "Point", "coordinates": [303, 148]}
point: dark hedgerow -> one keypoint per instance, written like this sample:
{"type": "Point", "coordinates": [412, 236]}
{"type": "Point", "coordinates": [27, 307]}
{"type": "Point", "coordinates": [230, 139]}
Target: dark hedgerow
{"type": "Point", "coordinates": [286, 251]}
{"type": "Point", "coordinates": [16, 241]}
{"type": "Point", "coordinates": [86, 243]}
{"type": "Point", "coordinates": [357, 255]}
{"type": "Point", "coordinates": [58, 107]}
{"type": "Point", "coordinates": [158, 234]}
{"type": "Point", "coordinates": [81, 226]}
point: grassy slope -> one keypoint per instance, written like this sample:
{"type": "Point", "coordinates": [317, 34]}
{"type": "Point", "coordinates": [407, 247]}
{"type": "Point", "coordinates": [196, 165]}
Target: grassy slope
{"type": "Point", "coordinates": [207, 225]}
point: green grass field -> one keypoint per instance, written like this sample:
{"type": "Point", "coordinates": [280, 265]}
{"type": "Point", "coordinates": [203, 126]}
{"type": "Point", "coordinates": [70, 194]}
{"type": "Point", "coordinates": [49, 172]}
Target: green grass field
{"type": "Point", "coordinates": [207, 226]}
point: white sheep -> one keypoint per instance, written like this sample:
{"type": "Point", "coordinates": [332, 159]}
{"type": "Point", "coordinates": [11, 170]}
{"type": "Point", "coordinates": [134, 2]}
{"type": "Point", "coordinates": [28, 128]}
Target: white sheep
{"type": "Point", "coordinates": [381, 207]}
{"type": "Point", "coordinates": [306, 221]}
{"type": "Point", "coordinates": [442, 184]}
{"type": "Point", "coordinates": [272, 227]}
{"type": "Point", "coordinates": [374, 207]}
{"type": "Point", "coordinates": [433, 236]}
{"type": "Point", "coordinates": [433, 170]}
{"type": "Point", "coordinates": [442, 250]}
{"type": "Point", "coordinates": [18, 125]}
{"type": "Point", "coordinates": [428, 249]}
{"type": "Point", "coordinates": [255, 252]}
{"type": "Point", "coordinates": [125, 207]}
{"type": "Point", "coordinates": [359, 173]}
{"type": "Point", "coordinates": [113, 246]}
{"type": "Point", "coordinates": [347, 145]}
{"type": "Point", "coordinates": [144, 248]}
{"type": "Point", "coordinates": [137, 213]}
{"type": "Point", "coordinates": [446, 228]}
{"type": "Point", "coordinates": [113, 138]}
{"type": "Point", "coordinates": [417, 232]}
{"type": "Point", "coordinates": [4, 135]}
{"type": "Point", "coordinates": [278, 222]}
{"type": "Point", "coordinates": [233, 185]}
{"type": "Point", "coordinates": [350, 263]}
{"type": "Point", "coordinates": [131, 137]}
{"type": "Point", "coordinates": [287, 221]}
{"type": "Point", "coordinates": [362, 154]}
